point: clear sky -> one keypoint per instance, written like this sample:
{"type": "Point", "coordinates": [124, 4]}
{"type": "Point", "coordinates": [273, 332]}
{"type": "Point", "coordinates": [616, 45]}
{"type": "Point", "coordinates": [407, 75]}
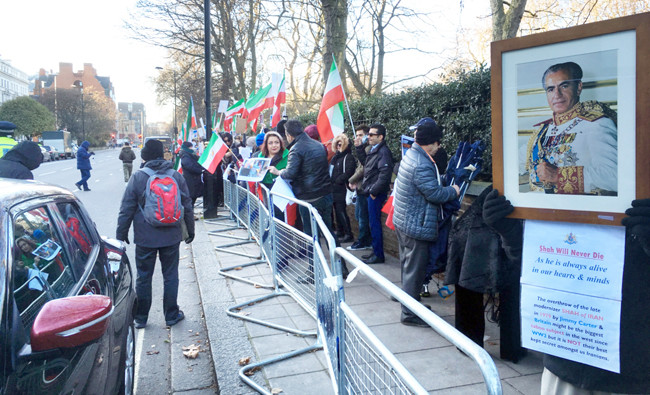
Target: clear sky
{"type": "Point", "coordinates": [41, 33]}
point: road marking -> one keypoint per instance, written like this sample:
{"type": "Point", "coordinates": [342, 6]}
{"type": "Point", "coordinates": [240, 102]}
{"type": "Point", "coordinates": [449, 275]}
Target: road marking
{"type": "Point", "coordinates": [96, 180]}
{"type": "Point", "coordinates": [47, 174]}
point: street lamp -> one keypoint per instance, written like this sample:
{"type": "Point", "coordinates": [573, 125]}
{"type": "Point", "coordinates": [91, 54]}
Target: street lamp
{"type": "Point", "coordinates": [175, 130]}
{"type": "Point", "coordinates": [79, 84]}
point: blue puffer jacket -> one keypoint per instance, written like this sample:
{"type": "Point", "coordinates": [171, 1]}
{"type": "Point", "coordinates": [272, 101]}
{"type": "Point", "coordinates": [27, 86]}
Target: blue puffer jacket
{"type": "Point", "coordinates": [418, 196]}
{"type": "Point", "coordinates": [83, 156]}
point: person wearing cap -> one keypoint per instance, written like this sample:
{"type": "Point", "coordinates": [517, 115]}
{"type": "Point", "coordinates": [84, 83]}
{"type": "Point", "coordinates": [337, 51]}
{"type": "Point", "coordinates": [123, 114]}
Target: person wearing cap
{"type": "Point", "coordinates": [441, 157]}
{"type": "Point", "coordinates": [377, 174]}
{"type": "Point", "coordinates": [19, 161]}
{"type": "Point", "coordinates": [417, 199]}
{"type": "Point", "coordinates": [127, 156]}
{"type": "Point", "coordinates": [259, 140]}
{"type": "Point", "coordinates": [192, 171]}
{"type": "Point", "coordinates": [151, 241]}
{"type": "Point", "coordinates": [83, 164]}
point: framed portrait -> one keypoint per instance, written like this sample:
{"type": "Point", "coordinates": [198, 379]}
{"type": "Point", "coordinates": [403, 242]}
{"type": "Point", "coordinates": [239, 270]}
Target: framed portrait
{"type": "Point", "coordinates": [568, 114]}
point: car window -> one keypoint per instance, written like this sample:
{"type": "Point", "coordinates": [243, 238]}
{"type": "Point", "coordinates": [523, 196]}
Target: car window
{"type": "Point", "coordinates": [79, 236]}
{"type": "Point", "coordinates": [41, 268]}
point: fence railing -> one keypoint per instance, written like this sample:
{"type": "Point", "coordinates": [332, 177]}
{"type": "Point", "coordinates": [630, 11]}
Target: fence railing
{"type": "Point", "coordinates": [358, 362]}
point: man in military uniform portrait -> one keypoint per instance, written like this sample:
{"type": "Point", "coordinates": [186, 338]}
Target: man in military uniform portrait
{"type": "Point", "coordinates": [574, 152]}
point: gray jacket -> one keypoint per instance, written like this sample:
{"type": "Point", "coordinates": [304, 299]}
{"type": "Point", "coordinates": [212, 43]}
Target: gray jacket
{"type": "Point", "coordinates": [418, 196]}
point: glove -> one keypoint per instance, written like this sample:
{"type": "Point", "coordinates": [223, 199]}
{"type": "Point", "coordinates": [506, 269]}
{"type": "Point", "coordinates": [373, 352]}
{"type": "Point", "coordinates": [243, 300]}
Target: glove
{"type": "Point", "coordinates": [126, 240]}
{"type": "Point", "coordinates": [495, 210]}
{"type": "Point", "coordinates": [189, 239]}
{"type": "Point", "coordinates": [92, 152]}
{"type": "Point", "coordinates": [638, 222]}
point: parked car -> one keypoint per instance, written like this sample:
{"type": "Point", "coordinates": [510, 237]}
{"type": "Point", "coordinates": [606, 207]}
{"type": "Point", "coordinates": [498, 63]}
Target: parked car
{"type": "Point", "coordinates": [66, 297]}
{"type": "Point", "coordinates": [54, 154]}
{"type": "Point", "coordinates": [46, 154]}
{"type": "Point", "coordinates": [74, 147]}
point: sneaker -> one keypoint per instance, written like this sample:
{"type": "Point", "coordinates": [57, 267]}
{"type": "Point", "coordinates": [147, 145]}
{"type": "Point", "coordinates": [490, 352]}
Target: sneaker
{"type": "Point", "coordinates": [87, 190]}
{"type": "Point", "coordinates": [140, 324]}
{"type": "Point", "coordinates": [78, 185]}
{"type": "Point", "coordinates": [425, 291]}
{"type": "Point", "coordinates": [179, 317]}
{"type": "Point", "coordinates": [356, 246]}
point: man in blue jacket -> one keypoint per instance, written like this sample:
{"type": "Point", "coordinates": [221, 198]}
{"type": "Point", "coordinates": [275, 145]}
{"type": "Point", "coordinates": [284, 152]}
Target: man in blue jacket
{"type": "Point", "coordinates": [83, 164]}
{"type": "Point", "coordinates": [417, 200]}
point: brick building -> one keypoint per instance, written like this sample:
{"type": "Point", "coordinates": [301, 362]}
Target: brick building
{"type": "Point", "coordinates": [66, 78]}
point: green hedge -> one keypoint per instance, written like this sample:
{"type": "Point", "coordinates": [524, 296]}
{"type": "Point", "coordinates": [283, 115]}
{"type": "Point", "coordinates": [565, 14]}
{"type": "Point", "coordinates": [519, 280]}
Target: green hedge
{"type": "Point", "coordinates": [460, 106]}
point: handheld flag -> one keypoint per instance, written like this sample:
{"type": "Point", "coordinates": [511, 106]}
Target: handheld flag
{"type": "Point", "coordinates": [330, 116]}
{"type": "Point", "coordinates": [280, 99]}
{"type": "Point", "coordinates": [213, 154]}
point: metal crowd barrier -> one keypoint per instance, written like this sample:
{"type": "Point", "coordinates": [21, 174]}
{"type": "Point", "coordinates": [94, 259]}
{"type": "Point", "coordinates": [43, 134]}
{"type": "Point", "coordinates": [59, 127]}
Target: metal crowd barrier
{"type": "Point", "coordinates": [358, 362]}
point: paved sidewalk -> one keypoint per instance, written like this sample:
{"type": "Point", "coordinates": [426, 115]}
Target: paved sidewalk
{"type": "Point", "coordinates": [439, 367]}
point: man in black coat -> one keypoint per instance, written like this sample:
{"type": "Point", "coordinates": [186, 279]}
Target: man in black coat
{"type": "Point", "coordinates": [192, 171]}
{"type": "Point", "coordinates": [21, 160]}
{"type": "Point", "coordinates": [377, 173]}
{"type": "Point", "coordinates": [308, 171]}
{"type": "Point", "coordinates": [151, 240]}
{"type": "Point", "coordinates": [563, 376]}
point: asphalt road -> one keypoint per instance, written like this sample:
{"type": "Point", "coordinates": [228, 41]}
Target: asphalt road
{"type": "Point", "coordinates": [153, 353]}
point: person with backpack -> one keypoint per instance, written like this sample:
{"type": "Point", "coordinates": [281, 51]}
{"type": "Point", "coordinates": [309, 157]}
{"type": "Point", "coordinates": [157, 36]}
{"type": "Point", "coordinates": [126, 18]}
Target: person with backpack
{"type": "Point", "coordinates": [127, 156]}
{"type": "Point", "coordinates": [157, 201]}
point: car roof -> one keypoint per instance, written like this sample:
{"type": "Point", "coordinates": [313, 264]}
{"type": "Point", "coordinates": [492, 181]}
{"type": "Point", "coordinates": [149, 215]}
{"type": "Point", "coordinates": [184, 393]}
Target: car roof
{"type": "Point", "coordinates": [13, 192]}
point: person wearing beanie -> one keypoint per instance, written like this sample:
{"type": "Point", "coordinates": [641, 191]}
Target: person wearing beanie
{"type": "Point", "coordinates": [192, 171]}
{"type": "Point", "coordinates": [127, 156]}
{"type": "Point", "coordinates": [417, 199]}
{"type": "Point", "coordinates": [83, 164]}
{"type": "Point", "coordinates": [151, 241]}
{"type": "Point", "coordinates": [259, 140]}
{"type": "Point", "coordinates": [20, 160]}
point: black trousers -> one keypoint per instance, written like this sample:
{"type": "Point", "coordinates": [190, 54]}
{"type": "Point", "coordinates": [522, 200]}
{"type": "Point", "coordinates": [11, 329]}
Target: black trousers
{"type": "Point", "coordinates": [145, 261]}
{"type": "Point", "coordinates": [342, 218]}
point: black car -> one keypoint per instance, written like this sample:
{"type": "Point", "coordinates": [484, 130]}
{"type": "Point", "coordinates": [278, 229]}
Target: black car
{"type": "Point", "coordinates": [66, 297]}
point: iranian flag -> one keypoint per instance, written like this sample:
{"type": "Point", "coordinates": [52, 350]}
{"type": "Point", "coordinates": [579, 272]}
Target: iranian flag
{"type": "Point", "coordinates": [389, 208]}
{"type": "Point", "coordinates": [256, 104]}
{"type": "Point", "coordinates": [330, 116]}
{"type": "Point", "coordinates": [232, 111]}
{"type": "Point", "coordinates": [280, 99]}
{"type": "Point", "coordinates": [190, 123]}
{"type": "Point", "coordinates": [213, 154]}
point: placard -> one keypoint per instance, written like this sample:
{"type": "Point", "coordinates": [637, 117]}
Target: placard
{"type": "Point", "coordinates": [571, 280]}
{"type": "Point", "coordinates": [254, 169]}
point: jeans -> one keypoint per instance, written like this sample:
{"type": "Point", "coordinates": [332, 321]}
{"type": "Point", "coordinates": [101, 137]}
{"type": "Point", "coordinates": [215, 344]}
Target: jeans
{"type": "Point", "coordinates": [361, 214]}
{"type": "Point", "coordinates": [374, 218]}
{"type": "Point", "coordinates": [128, 169]}
{"type": "Point", "coordinates": [145, 262]}
{"type": "Point", "coordinates": [85, 175]}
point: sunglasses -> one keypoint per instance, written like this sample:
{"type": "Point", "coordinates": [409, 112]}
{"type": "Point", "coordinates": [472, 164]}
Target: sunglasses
{"type": "Point", "coordinates": [373, 134]}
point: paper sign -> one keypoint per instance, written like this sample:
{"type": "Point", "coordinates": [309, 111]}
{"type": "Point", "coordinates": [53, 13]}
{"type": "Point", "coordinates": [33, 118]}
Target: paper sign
{"type": "Point", "coordinates": [571, 291]}
{"type": "Point", "coordinates": [223, 106]}
{"type": "Point", "coordinates": [280, 186]}
{"type": "Point", "coordinates": [571, 326]}
{"type": "Point", "coordinates": [245, 152]}
{"type": "Point", "coordinates": [254, 169]}
{"type": "Point", "coordinates": [48, 250]}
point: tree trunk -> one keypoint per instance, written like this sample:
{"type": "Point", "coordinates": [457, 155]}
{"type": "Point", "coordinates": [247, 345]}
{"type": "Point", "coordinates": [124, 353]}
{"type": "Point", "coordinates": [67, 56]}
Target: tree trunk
{"type": "Point", "coordinates": [505, 24]}
{"type": "Point", "coordinates": [335, 13]}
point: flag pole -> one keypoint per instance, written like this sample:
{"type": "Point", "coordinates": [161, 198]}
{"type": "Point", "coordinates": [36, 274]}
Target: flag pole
{"type": "Point", "coordinates": [346, 102]}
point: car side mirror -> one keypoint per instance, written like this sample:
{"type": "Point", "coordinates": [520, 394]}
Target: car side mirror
{"type": "Point", "coordinates": [71, 322]}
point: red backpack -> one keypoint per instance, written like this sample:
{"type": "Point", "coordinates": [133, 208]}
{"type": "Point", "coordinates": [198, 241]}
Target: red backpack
{"type": "Point", "coordinates": [162, 199]}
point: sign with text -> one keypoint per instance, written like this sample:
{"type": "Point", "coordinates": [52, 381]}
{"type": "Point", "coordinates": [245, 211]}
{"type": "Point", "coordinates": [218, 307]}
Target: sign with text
{"type": "Point", "coordinates": [571, 291]}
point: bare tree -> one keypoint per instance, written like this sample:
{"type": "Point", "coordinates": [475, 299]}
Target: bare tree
{"type": "Point", "coordinates": [505, 22]}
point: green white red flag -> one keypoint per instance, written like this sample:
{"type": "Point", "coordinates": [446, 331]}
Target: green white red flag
{"type": "Point", "coordinates": [213, 153]}
{"type": "Point", "coordinates": [280, 99]}
{"type": "Point", "coordinates": [256, 104]}
{"type": "Point", "coordinates": [190, 123]}
{"type": "Point", "coordinates": [232, 111]}
{"type": "Point", "coordinates": [330, 116]}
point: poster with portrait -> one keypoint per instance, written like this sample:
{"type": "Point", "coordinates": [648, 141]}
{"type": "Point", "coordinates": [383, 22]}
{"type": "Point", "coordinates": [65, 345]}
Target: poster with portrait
{"type": "Point", "coordinates": [566, 130]}
{"type": "Point", "coordinates": [254, 169]}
